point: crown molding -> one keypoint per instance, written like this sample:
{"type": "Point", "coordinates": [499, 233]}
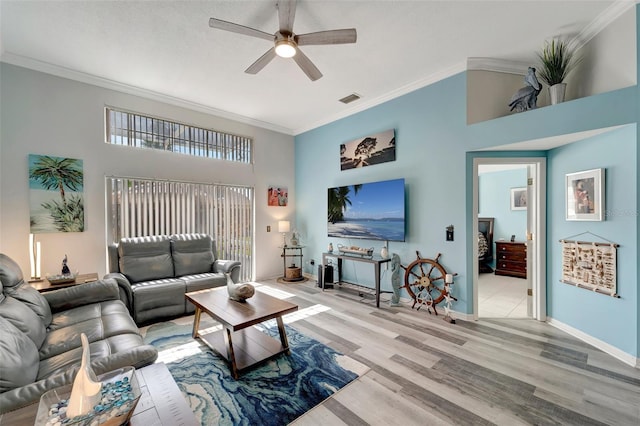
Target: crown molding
{"type": "Point", "coordinates": [362, 106]}
{"type": "Point", "coordinates": [602, 21]}
{"type": "Point", "coordinates": [498, 65]}
{"type": "Point", "coordinates": [58, 71]}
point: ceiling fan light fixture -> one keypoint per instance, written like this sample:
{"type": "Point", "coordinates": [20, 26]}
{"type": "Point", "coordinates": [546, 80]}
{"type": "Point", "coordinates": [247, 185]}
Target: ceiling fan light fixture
{"type": "Point", "coordinates": [285, 48]}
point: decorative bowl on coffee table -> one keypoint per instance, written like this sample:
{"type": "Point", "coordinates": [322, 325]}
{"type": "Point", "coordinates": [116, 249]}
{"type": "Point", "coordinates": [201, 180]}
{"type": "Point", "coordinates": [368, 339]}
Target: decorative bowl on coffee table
{"type": "Point", "coordinates": [120, 394]}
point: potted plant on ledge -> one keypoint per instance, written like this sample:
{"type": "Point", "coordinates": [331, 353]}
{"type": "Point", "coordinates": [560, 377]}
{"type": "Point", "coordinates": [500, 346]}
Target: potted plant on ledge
{"type": "Point", "coordinates": [557, 60]}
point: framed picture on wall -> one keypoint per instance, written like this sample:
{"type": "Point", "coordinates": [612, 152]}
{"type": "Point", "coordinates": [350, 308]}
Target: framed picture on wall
{"type": "Point", "coordinates": [585, 195]}
{"type": "Point", "coordinates": [277, 196]}
{"type": "Point", "coordinates": [518, 198]}
{"type": "Point", "coordinates": [373, 149]}
{"type": "Point", "coordinates": [56, 194]}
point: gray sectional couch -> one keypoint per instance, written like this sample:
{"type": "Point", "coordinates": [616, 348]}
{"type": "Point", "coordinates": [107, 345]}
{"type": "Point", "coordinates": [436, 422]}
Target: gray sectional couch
{"type": "Point", "coordinates": [154, 273]}
{"type": "Point", "coordinates": [40, 347]}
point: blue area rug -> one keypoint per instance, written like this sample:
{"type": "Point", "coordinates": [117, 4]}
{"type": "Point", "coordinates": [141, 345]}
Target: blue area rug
{"type": "Point", "coordinates": [273, 393]}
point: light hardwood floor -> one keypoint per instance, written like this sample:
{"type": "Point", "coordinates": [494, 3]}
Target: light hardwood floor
{"type": "Point", "coordinates": [425, 371]}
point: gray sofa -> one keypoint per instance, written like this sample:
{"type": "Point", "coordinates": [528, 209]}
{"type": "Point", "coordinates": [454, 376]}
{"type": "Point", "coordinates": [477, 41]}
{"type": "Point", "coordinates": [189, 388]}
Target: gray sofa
{"type": "Point", "coordinates": [40, 347]}
{"type": "Point", "coordinates": [155, 272]}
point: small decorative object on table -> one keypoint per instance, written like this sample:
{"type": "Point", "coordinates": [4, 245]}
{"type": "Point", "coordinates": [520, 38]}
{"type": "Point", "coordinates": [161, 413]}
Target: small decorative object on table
{"type": "Point", "coordinates": [113, 404]}
{"type": "Point", "coordinates": [65, 267]}
{"type": "Point", "coordinates": [527, 97]}
{"type": "Point", "coordinates": [239, 292]}
{"type": "Point", "coordinates": [355, 250]}
{"type": "Point", "coordinates": [384, 252]}
{"type": "Point", "coordinates": [330, 248]}
{"type": "Point", "coordinates": [61, 279]}
{"type": "Point", "coordinates": [294, 239]}
{"type": "Point", "coordinates": [65, 277]}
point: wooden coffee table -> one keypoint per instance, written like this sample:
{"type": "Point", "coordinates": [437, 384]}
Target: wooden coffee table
{"type": "Point", "coordinates": [238, 342]}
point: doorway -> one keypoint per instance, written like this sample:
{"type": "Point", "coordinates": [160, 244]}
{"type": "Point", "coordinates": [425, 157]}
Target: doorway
{"type": "Point", "coordinates": [509, 281]}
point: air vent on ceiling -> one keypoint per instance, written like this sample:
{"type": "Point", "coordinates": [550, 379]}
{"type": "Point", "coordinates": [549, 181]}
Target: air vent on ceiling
{"type": "Point", "coordinates": [350, 98]}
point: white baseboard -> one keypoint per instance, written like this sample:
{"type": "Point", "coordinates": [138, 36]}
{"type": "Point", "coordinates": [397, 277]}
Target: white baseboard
{"type": "Point", "coordinates": [464, 317]}
{"type": "Point", "coordinates": [454, 314]}
{"type": "Point", "coordinates": [603, 346]}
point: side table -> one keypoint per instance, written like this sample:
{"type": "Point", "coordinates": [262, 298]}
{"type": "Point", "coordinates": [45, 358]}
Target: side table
{"type": "Point", "coordinates": [45, 285]}
{"type": "Point", "coordinates": [292, 273]}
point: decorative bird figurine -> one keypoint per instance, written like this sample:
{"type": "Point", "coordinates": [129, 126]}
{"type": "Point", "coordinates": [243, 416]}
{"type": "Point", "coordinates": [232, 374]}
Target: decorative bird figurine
{"type": "Point", "coordinates": [239, 292]}
{"type": "Point", "coordinates": [527, 97]}
{"type": "Point", "coordinates": [65, 267]}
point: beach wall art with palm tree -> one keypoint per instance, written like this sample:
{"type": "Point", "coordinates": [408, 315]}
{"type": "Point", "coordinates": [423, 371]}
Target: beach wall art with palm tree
{"type": "Point", "coordinates": [374, 149]}
{"type": "Point", "coordinates": [372, 211]}
{"type": "Point", "coordinates": [56, 197]}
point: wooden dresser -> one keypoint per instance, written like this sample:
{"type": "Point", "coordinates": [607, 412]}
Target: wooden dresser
{"type": "Point", "coordinates": [511, 259]}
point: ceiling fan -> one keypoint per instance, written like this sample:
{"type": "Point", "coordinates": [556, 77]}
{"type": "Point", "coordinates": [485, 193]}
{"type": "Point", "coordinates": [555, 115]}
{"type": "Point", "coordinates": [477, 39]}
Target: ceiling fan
{"type": "Point", "coordinates": [286, 42]}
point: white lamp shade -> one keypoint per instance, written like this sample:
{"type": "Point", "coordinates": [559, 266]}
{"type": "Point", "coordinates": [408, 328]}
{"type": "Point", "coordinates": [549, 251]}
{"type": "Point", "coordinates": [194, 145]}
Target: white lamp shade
{"type": "Point", "coordinates": [284, 226]}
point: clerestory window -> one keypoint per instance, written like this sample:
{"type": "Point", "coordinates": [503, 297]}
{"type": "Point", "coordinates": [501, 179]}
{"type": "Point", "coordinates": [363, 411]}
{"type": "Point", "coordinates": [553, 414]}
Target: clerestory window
{"type": "Point", "coordinates": [141, 131]}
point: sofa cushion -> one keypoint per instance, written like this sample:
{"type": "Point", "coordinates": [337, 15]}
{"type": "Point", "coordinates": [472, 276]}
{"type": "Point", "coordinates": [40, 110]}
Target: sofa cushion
{"type": "Point", "coordinates": [99, 349]}
{"type": "Point", "coordinates": [13, 285]}
{"type": "Point", "coordinates": [35, 301]}
{"type": "Point", "coordinates": [10, 272]}
{"type": "Point", "coordinates": [145, 258]}
{"type": "Point", "coordinates": [19, 355]}
{"type": "Point", "coordinates": [159, 298]}
{"type": "Point", "coordinates": [24, 319]}
{"type": "Point", "coordinates": [192, 254]}
{"type": "Point", "coordinates": [202, 282]}
{"type": "Point", "coordinates": [98, 321]}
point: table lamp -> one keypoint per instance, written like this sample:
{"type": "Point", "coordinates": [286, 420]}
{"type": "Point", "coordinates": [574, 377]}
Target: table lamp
{"type": "Point", "coordinates": [284, 227]}
{"type": "Point", "coordinates": [35, 253]}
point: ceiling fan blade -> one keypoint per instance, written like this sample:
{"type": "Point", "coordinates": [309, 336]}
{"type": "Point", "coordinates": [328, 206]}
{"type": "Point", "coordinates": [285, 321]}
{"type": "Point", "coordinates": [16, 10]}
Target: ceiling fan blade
{"type": "Point", "coordinates": [307, 66]}
{"type": "Point", "coordinates": [286, 15]}
{"type": "Point", "coordinates": [262, 61]}
{"type": "Point", "coordinates": [240, 29]}
{"type": "Point", "coordinates": [328, 37]}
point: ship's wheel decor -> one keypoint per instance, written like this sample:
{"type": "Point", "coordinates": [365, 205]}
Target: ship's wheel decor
{"type": "Point", "coordinates": [428, 284]}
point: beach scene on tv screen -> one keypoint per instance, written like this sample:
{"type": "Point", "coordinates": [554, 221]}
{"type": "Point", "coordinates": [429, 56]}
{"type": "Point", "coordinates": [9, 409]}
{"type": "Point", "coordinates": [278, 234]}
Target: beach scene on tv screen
{"type": "Point", "coordinates": [372, 211]}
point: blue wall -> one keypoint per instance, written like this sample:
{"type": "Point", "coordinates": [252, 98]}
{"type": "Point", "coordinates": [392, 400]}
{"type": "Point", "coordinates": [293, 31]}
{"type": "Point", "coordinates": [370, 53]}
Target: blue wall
{"type": "Point", "coordinates": [435, 152]}
{"type": "Point", "coordinates": [494, 197]}
{"type": "Point", "coordinates": [430, 126]}
{"type": "Point", "coordinates": [606, 318]}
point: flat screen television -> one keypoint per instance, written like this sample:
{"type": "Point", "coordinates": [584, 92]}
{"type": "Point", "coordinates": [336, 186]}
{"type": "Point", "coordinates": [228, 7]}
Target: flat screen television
{"type": "Point", "coordinates": [371, 211]}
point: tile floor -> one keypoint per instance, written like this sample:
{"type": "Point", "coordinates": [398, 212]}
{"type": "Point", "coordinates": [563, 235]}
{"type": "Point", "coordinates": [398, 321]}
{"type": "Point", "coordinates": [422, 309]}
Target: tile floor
{"type": "Point", "coordinates": [501, 297]}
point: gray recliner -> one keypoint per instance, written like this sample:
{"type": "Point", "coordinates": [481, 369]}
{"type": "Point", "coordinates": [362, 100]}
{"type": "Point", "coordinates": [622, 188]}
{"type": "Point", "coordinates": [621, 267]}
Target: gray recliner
{"type": "Point", "coordinates": [40, 347]}
{"type": "Point", "coordinates": [155, 272]}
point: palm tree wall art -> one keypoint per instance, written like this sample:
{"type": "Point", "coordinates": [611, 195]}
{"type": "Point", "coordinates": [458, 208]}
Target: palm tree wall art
{"type": "Point", "coordinates": [56, 187]}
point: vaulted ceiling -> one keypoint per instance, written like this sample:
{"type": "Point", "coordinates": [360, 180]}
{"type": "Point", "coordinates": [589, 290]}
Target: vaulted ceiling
{"type": "Point", "coordinates": [166, 48]}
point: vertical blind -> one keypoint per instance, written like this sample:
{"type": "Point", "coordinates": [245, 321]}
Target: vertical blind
{"type": "Point", "coordinates": [142, 207]}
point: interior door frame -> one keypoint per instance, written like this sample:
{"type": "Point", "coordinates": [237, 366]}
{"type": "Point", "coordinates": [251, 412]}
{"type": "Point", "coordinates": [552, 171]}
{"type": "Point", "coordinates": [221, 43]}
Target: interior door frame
{"type": "Point", "coordinates": [536, 224]}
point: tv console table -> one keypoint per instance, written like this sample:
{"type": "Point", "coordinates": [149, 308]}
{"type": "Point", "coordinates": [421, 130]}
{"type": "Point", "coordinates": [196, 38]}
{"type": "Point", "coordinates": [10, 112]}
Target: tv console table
{"type": "Point", "coordinates": [376, 261]}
